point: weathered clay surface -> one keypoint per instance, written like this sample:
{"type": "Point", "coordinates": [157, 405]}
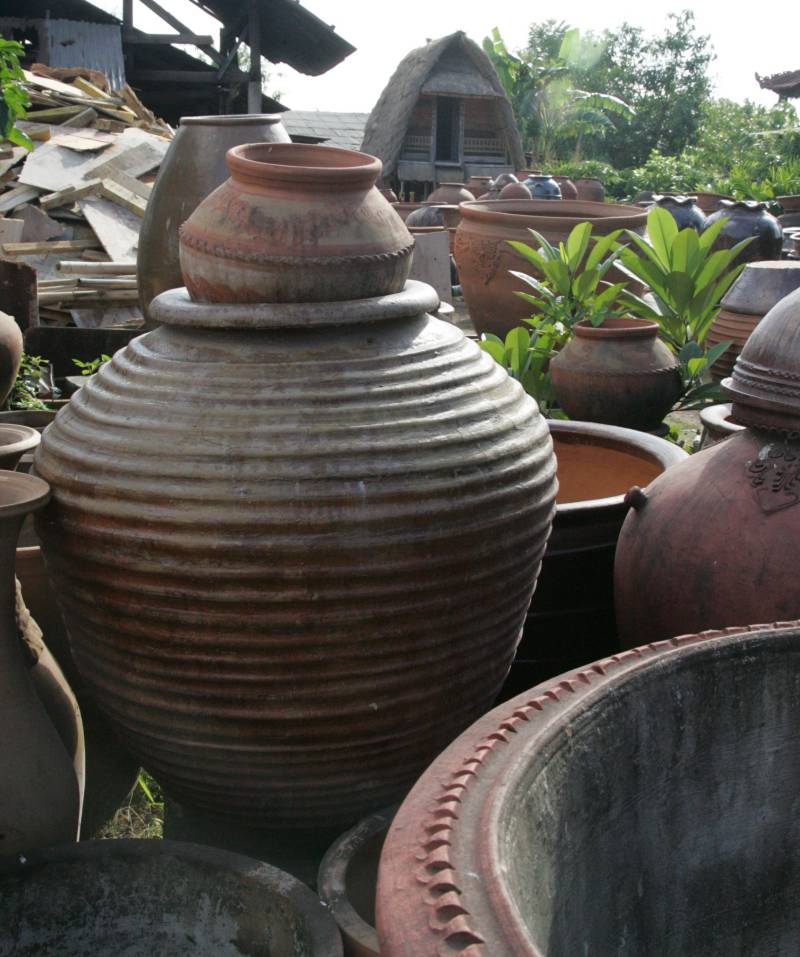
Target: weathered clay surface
{"type": "Point", "coordinates": [718, 424]}
{"type": "Point", "coordinates": [665, 777]}
{"type": "Point", "coordinates": [147, 898]}
{"type": "Point", "coordinates": [268, 533]}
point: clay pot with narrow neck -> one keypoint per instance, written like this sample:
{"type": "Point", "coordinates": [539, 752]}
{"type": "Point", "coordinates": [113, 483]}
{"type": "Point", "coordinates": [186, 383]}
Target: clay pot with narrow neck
{"type": "Point", "coordinates": [193, 167]}
{"type": "Point", "coordinates": [478, 185]}
{"type": "Point", "coordinates": [748, 219]}
{"type": "Point", "coordinates": [619, 373]}
{"type": "Point", "coordinates": [295, 223]}
{"type": "Point", "coordinates": [716, 541]}
{"type": "Point", "coordinates": [40, 797]}
{"type": "Point", "coordinates": [666, 776]}
{"type": "Point", "coordinates": [683, 209]}
{"type": "Point", "coordinates": [268, 528]}
{"type": "Point", "coordinates": [542, 186]}
{"type": "Point", "coordinates": [451, 193]}
{"type": "Point", "coordinates": [590, 189]}
{"type": "Point", "coordinates": [485, 259]}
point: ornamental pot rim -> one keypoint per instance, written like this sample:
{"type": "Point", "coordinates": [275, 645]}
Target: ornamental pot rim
{"type": "Point", "coordinates": [616, 328]}
{"type": "Point", "coordinates": [516, 212]}
{"type": "Point", "coordinates": [297, 166]}
{"type": "Point", "coordinates": [232, 119]}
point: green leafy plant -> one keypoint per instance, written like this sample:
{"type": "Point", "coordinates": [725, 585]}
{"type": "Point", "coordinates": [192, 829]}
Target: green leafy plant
{"type": "Point", "coordinates": [526, 357]}
{"type": "Point", "coordinates": [14, 99]}
{"type": "Point", "coordinates": [90, 367]}
{"type": "Point", "coordinates": [27, 388]}
{"type": "Point", "coordinates": [697, 390]}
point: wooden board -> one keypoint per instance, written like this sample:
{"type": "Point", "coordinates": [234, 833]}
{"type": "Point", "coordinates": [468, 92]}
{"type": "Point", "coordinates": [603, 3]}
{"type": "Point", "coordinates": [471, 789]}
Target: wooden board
{"type": "Point", "coordinates": [108, 317]}
{"type": "Point", "coordinates": [116, 228]}
{"type": "Point", "coordinates": [16, 197]}
{"type": "Point", "coordinates": [83, 144]}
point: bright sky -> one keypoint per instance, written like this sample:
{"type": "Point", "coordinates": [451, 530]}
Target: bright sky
{"type": "Point", "coordinates": [745, 43]}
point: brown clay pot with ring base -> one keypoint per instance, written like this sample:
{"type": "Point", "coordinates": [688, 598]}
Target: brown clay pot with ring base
{"type": "Point", "coordinates": [618, 373]}
{"type": "Point", "coordinates": [295, 223]}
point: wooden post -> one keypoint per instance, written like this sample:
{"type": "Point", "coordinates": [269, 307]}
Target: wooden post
{"type": "Point", "coordinates": [254, 39]}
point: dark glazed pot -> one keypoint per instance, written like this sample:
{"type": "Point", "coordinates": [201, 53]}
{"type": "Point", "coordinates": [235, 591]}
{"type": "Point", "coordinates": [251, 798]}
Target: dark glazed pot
{"type": "Point", "coordinates": [571, 619]}
{"type": "Point", "coordinates": [667, 776]}
{"type": "Point", "coordinates": [228, 579]}
{"type": "Point", "coordinates": [542, 186]}
{"type": "Point", "coordinates": [747, 218]}
{"type": "Point", "coordinates": [684, 210]}
{"type": "Point", "coordinates": [484, 257]}
{"type": "Point", "coordinates": [451, 194]}
{"type": "Point", "coordinates": [107, 898]}
{"type": "Point", "coordinates": [670, 579]}
{"type": "Point", "coordinates": [40, 797]}
{"type": "Point", "coordinates": [568, 189]}
{"type": "Point", "coordinates": [193, 167]}
{"type": "Point", "coordinates": [590, 189]}
{"type": "Point", "coordinates": [295, 223]}
{"type": "Point", "coordinates": [348, 877]}
{"type": "Point", "coordinates": [619, 373]}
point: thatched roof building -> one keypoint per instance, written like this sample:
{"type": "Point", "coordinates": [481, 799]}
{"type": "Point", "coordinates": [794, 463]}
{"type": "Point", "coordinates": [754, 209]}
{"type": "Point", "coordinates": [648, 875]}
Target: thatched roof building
{"type": "Point", "coordinates": [444, 116]}
{"type": "Point", "coordinates": [786, 85]}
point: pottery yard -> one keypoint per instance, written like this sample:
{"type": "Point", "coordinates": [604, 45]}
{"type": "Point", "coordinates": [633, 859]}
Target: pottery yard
{"type": "Point", "coordinates": [397, 485]}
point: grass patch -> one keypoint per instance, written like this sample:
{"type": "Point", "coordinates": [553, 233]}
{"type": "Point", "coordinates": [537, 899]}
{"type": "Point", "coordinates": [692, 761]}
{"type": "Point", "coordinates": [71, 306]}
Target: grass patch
{"type": "Point", "coordinates": [142, 814]}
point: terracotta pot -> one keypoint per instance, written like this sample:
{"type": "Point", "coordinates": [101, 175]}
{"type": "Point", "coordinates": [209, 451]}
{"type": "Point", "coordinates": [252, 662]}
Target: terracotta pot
{"type": "Point", "coordinates": [515, 191]}
{"type": "Point", "coordinates": [760, 286]}
{"type": "Point", "coordinates": [568, 189]}
{"type": "Point", "coordinates": [718, 424]}
{"type": "Point", "coordinates": [543, 186]}
{"type": "Point", "coordinates": [484, 257]}
{"type": "Point", "coordinates": [748, 219]}
{"type": "Point", "coordinates": [451, 194]}
{"type": "Point", "coordinates": [15, 442]}
{"type": "Point", "coordinates": [478, 185]}
{"type": "Point", "coordinates": [348, 876]}
{"type": "Point", "coordinates": [747, 483]}
{"type": "Point", "coordinates": [293, 487]}
{"type": "Point", "coordinates": [40, 798]}
{"type": "Point", "coordinates": [684, 210]}
{"type": "Point", "coordinates": [158, 897]}
{"type": "Point", "coordinates": [403, 210]}
{"type": "Point", "coordinates": [567, 625]}
{"type": "Point", "coordinates": [710, 202]}
{"type": "Point", "coordinates": [503, 180]}
{"type": "Point", "coordinates": [619, 373]}
{"type": "Point", "coordinates": [388, 194]}
{"type": "Point", "coordinates": [10, 354]}
{"type": "Point", "coordinates": [193, 167]}
{"type": "Point", "coordinates": [667, 776]}
{"type": "Point", "coordinates": [790, 204]}
{"type": "Point", "coordinates": [295, 223]}
{"type": "Point", "coordinates": [590, 189]}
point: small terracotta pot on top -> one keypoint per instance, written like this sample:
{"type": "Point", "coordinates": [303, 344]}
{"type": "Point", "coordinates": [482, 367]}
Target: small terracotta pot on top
{"type": "Point", "coordinates": [295, 223]}
{"type": "Point", "coordinates": [619, 373]}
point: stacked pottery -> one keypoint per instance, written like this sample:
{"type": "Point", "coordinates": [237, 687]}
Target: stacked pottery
{"type": "Point", "coordinates": [684, 210]}
{"type": "Point", "coordinates": [618, 373]}
{"type": "Point", "coordinates": [193, 166]}
{"type": "Point", "coordinates": [451, 194]}
{"type": "Point", "coordinates": [270, 519]}
{"type": "Point", "coordinates": [678, 569]}
{"type": "Point", "coordinates": [747, 219]}
{"type": "Point", "coordinates": [760, 286]}
{"type": "Point", "coordinates": [667, 776]}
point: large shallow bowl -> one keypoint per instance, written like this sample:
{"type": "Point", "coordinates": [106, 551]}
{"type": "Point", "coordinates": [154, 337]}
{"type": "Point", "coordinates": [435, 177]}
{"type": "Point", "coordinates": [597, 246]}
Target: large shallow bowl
{"type": "Point", "coordinates": [643, 806]}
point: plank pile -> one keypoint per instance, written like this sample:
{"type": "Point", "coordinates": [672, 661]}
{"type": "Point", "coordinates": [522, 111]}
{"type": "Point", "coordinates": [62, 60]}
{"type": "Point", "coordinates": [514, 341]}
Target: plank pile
{"type": "Point", "coordinates": [72, 208]}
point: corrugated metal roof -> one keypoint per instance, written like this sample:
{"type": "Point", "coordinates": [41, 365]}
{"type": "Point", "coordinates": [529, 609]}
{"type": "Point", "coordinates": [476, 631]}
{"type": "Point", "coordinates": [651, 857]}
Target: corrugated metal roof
{"type": "Point", "coordinates": [336, 129]}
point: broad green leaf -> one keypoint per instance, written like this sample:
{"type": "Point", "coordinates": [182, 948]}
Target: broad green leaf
{"type": "Point", "coordinates": [545, 247]}
{"type": "Point", "coordinates": [528, 253]}
{"type": "Point", "coordinates": [495, 349]}
{"type": "Point", "coordinates": [577, 244]}
{"type": "Point", "coordinates": [662, 231]}
{"type": "Point", "coordinates": [534, 283]}
{"type": "Point", "coordinates": [681, 289]}
{"type": "Point", "coordinates": [716, 351]}
{"type": "Point", "coordinates": [518, 341]}
{"type": "Point", "coordinates": [602, 246]}
{"type": "Point", "coordinates": [708, 237]}
{"type": "Point", "coordinates": [696, 365]}
{"type": "Point", "coordinates": [650, 255]}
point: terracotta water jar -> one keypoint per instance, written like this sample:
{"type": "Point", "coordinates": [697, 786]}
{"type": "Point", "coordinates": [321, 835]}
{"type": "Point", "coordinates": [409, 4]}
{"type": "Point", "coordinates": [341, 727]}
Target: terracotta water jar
{"type": "Point", "coordinates": [485, 259]}
{"type": "Point", "coordinates": [667, 777]}
{"type": "Point", "coordinates": [295, 222]}
{"type": "Point", "coordinates": [747, 218]}
{"type": "Point", "coordinates": [710, 202]}
{"type": "Point", "coordinates": [269, 525]}
{"type": "Point", "coordinates": [590, 189]}
{"type": "Point", "coordinates": [451, 194]}
{"type": "Point", "coordinates": [571, 619]}
{"type": "Point", "coordinates": [404, 210]}
{"type": "Point", "coordinates": [515, 191]}
{"type": "Point", "coordinates": [478, 185]}
{"type": "Point", "coordinates": [568, 189]}
{"type": "Point", "coordinates": [107, 898]}
{"type": "Point", "coordinates": [40, 798]}
{"type": "Point", "coordinates": [718, 424]}
{"type": "Point", "coordinates": [619, 373]}
{"type": "Point", "coordinates": [678, 568]}
{"type": "Point", "coordinates": [683, 209]}
{"type": "Point", "coordinates": [388, 194]}
{"type": "Point", "coordinates": [760, 286]}
{"type": "Point", "coordinates": [193, 167]}
{"type": "Point", "coordinates": [11, 348]}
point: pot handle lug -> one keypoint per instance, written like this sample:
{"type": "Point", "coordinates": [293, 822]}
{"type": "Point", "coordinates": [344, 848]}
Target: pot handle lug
{"type": "Point", "coordinates": [636, 498]}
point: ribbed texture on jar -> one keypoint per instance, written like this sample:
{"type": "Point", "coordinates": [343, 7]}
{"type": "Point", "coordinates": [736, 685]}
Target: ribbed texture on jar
{"type": "Point", "coordinates": [295, 565]}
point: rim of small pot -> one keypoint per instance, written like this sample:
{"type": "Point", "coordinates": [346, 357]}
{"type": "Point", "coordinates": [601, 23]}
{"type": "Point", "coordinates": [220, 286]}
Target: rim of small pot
{"type": "Point", "coordinates": [21, 493]}
{"type": "Point", "coordinates": [514, 212]}
{"type": "Point", "coordinates": [324, 937]}
{"type": "Point", "coordinates": [295, 166]}
{"type": "Point", "coordinates": [176, 308]}
{"type": "Point", "coordinates": [17, 439]}
{"type": "Point", "coordinates": [232, 119]}
{"type": "Point", "coordinates": [651, 448]}
{"type": "Point", "coordinates": [446, 835]}
{"type": "Point", "coordinates": [332, 878]}
{"type": "Point", "coordinates": [616, 328]}
{"type": "Point", "coordinates": [719, 418]}
{"type": "Point", "coordinates": [753, 205]}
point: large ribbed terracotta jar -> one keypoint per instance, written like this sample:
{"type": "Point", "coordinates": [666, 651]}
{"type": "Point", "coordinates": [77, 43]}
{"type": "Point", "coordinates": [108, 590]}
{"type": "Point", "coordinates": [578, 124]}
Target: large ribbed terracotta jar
{"type": "Point", "coordinates": [295, 546]}
{"type": "Point", "coordinates": [193, 167]}
{"type": "Point", "coordinates": [715, 541]}
{"type": "Point", "coordinates": [295, 223]}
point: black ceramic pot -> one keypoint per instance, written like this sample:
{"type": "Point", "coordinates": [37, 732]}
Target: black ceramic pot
{"type": "Point", "coordinates": [748, 218]}
{"type": "Point", "coordinates": [684, 210]}
{"type": "Point", "coordinates": [543, 186]}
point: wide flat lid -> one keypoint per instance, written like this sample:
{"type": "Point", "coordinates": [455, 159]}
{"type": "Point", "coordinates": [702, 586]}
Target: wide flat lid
{"type": "Point", "coordinates": [762, 285]}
